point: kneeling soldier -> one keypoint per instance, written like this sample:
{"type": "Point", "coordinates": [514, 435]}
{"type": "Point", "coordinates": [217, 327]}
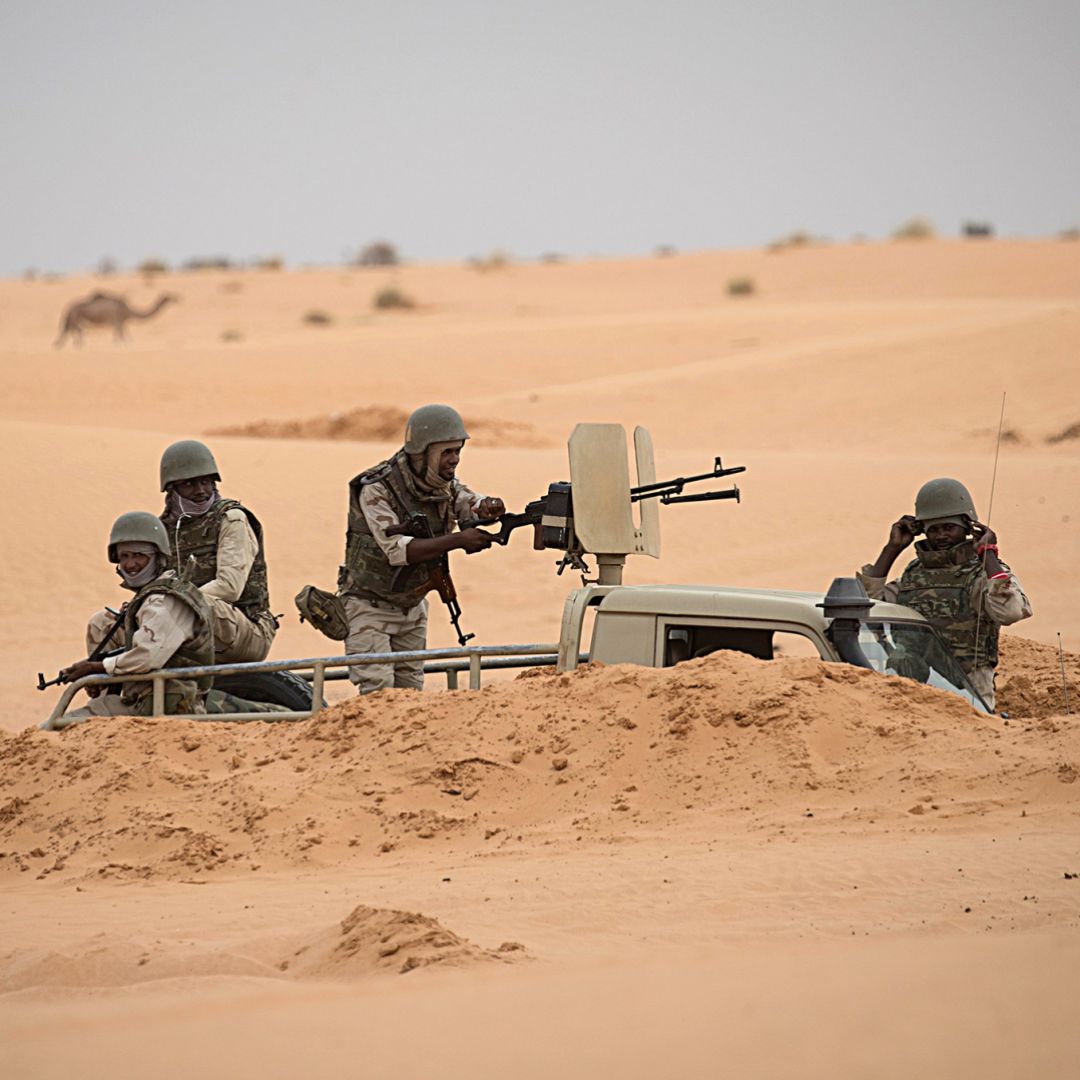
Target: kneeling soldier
{"type": "Point", "coordinates": [166, 624]}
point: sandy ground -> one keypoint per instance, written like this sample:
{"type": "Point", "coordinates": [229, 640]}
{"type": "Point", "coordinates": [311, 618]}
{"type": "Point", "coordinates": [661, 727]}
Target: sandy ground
{"type": "Point", "coordinates": [733, 868]}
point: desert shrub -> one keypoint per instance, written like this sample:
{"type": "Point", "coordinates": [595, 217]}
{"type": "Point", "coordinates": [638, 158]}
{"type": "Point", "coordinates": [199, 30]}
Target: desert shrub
{"type": "Point", "coordinates": [379, 253]}
{"type": "Point", "coordinates": [918, 228]}
{"type": "Point", "coordinates": [152, 266]}
{"type": "Point", "coordinates": [231, 335]}
{"type": "Point", "coordinates": [1071, 432]}
{"type": "Point", "coordinates": [800, 238]}
{"type": "Point", "coordinates": [495, 260]}
{"type": "Point", "coordinates": [269, 262]}
{"type": "Point", "coordinates": [392, 298]}
{"type": "Point", "coordinates": [316, 317]}
{"type": "Point", "coordinates": [552, 258]}
{"type": "Point", "coordinates": [741, 286]}
{"type": "Point", "coordinates": [106, 267]}
{"type": "Point", "coordinates": [977, 230]}
{"type": "Point", "coordinates": [665, 251]}
{"type": "Point", "coordinates": [1070, 234]}
{"type": "Point", "coordinates": [207, 262]}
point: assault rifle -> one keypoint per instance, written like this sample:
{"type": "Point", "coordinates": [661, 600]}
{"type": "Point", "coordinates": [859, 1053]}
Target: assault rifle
{"type": "Point", "coordinates": [552, 516]}
{"type": "Point", "coordinates": [100, 652]}
{"type": "Point", "coordinates": [418, 527]}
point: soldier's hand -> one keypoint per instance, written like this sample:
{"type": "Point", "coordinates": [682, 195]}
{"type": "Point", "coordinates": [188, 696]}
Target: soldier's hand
{"type": "Point", "coordinates": [983, 534]}
{"type": "Point", "coordinates": [904, 531]}
{"type": "Point", "coordinates": [81, 668]}
{"type": "Point", "coordinates": [489, 509]}
{"type": "Point", "coordinates": [473, 540]}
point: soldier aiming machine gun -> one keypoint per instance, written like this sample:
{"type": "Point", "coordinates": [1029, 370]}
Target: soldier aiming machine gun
{"type": "Point", "coordinates": [552, 516]}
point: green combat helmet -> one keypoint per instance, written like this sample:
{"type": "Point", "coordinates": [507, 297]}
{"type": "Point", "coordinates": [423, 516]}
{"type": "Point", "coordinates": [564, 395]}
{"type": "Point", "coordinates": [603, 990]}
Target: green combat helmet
{"type": "Point", "coordinates": [945, 500]}
{"type": "Point", "coordinates": [431, 424]}
{"type": "Point", "coordinates": [138, 526]}
{"type": "Point", "coordinates": [185, 460]}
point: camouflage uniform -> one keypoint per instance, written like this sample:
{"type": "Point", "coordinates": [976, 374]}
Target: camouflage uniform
{"type": "Point", "coordinates": [230, 570]}
{"type": "Point", "coordinates": [166, 624]}
{"type": "Point", "coordinates": [951, 591]}
{"type": "Point", "coordinates": [168, 611]}
{"type": "Point", "coordinates": [384, 596]}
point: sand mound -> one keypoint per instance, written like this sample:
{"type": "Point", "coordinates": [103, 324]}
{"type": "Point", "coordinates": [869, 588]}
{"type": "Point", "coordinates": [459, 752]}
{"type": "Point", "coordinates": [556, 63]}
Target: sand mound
{"type": "Point", "coordinates": [596, 755]}
{"type": "Point", "coordinates": [381, 423]}
{"type": "Point", "coordinates": [370, 939]}
{"type": "Point", "coordinates": [1029, 680]}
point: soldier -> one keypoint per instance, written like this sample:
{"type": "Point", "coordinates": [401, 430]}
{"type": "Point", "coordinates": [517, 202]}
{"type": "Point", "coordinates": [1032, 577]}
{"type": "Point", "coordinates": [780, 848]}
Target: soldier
{"type": "Point", "coordinates": [956, 582]}
{"type": "Point", "coordinates": [166, 624]}
{"type": "Point", "coordinates": [384, 578]}
{"type": "Point", "coordinates": [226, 541]}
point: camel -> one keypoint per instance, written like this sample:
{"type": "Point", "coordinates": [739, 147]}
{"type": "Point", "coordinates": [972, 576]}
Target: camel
{"type": "Point", "coordinates": [105, 309]}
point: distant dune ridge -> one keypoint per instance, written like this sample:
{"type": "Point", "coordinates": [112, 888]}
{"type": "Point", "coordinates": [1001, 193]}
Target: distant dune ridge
{"type": "Point", "coordinates": [379, 423]}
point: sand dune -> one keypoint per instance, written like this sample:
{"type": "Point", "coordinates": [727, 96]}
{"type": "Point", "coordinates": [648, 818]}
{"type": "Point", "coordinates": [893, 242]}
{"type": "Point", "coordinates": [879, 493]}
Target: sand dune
{"type": "Point", "coordinates": [763, 869]}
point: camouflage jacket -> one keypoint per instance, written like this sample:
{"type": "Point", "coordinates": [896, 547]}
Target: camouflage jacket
{"type": "Point", "coordinates": [244, 581]}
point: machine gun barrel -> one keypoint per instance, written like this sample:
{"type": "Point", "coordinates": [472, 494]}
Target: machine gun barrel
{"type": "Point", "coordinates": [702, 496]}
{"type": "Point", "coordinates": [675, 486]}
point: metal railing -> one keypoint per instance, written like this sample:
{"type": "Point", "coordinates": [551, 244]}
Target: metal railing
{"type": "Point", "coordinates": [317, 670]}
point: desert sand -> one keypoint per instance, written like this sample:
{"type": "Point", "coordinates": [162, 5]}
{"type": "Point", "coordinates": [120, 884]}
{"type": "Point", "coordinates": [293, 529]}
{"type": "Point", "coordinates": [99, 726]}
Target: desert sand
{"type": "Point", "coordinates": [732, 868]}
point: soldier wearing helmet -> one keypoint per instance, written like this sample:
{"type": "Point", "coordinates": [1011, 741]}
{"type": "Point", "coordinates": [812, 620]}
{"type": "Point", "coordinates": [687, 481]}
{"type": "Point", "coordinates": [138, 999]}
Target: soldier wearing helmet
{"type": "Point", "coordinates": [218, 542]}
{"type": "Point", "coordinates": [383, 579]}
{"type": "Point", "coordinates": [957, 580]}
{"type": "Point", "coordinates": [166, 624]}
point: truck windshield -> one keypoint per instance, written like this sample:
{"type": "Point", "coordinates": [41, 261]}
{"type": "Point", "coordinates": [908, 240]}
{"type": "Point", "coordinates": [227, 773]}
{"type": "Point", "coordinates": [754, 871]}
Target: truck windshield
{"type": "Point", "coordinates": [915, 651]}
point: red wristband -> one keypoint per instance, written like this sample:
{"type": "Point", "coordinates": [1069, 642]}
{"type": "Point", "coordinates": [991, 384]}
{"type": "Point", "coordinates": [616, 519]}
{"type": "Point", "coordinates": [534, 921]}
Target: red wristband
{"type": "Point", "coordinates": [985, 548]}
{"type": "Point", "coordinates": [994, 577]}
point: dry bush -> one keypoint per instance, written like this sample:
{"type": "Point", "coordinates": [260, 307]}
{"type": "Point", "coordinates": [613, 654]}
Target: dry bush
{"type": "Point", "coordinates": [152, 266]}
{"type": "Point", "coordinates": [495, 260]}
{"type": "Point", "coordinates": [207, 262]}
{"type": "Point", "coordinates": [977, 230]}
{"type": "Point", "coordinates": [800, 238]}
{"type": "Point", "coordinates": [665, 251]}
{"type": "Point", "coordinates": [392, 298]}
{"type": "Point", "coordinates": [379, 253]}
{"type": "Point", "coordinates": [269, 262]}
{"type": "Point", "coordinates": [552, 258]}
{"type": "Point", "coordinates": [106, 267]}
{"type": "Point", "coordinates": [315, 317]}
{"type": "Point", "coordinates": [741, 286]}
{"type": "Point", "coordinates": [918, 228]}
{"type": "Point", "coordinates": [1070, 234]}
{"type": "Point", "coordinates": [231, 335]}
{"type": "Point", "coordinates": [1071, 432]}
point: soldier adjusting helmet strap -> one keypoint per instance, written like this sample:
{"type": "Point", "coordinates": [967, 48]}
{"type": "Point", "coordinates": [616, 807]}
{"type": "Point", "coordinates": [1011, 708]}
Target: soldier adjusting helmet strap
{"type": "Point", "coordinates": [185, 460]}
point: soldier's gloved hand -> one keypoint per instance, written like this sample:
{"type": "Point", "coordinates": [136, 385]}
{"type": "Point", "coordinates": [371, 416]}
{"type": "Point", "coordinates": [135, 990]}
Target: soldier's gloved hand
{"type": "Point", "coordinates": [489, 509]}
{"type": "Point", "coordinates": [473, 540]}
{"type": "Point", "coordinates": [904, 531]}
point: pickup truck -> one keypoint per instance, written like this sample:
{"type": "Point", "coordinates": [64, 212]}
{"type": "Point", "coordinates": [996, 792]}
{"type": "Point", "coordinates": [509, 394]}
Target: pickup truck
{"type": "Point", "coordinates": [663, 625]}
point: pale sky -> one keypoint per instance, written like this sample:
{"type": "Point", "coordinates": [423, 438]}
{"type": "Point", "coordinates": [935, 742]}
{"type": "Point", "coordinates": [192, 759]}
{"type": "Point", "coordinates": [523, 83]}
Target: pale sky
{"type": "Point", "coordinates": [451, 129]}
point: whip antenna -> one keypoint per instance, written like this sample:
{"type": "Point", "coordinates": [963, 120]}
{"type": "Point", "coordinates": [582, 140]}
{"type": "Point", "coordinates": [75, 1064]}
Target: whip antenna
{"type": "Point", "coordinates": [1064, 684]}
{"type": "Point", "coordinates": [989, 513]}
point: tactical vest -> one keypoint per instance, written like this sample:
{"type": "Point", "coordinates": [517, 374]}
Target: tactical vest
{"type": "Point", "coordinates": [198, 535]}
{"type": "Point", "coordinates": [181, 695]}
{"type": "Point", "coordinates": [940, 589]}
{"type": "Point", "coordinates": [366, 572]}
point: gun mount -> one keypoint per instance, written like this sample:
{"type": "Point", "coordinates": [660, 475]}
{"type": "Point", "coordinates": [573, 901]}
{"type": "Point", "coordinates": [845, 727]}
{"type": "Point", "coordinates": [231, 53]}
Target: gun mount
{"type": "Point", "coordinates": [592, 513]}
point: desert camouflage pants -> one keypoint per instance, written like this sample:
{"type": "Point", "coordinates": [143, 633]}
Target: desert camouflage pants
{"type": "Point", "coordinates": [377, 627]}
{"type": "Point", "coordinates": [236, 637]}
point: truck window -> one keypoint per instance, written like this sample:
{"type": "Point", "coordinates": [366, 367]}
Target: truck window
{"type": "Point", "coordinates": [688, 642]}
